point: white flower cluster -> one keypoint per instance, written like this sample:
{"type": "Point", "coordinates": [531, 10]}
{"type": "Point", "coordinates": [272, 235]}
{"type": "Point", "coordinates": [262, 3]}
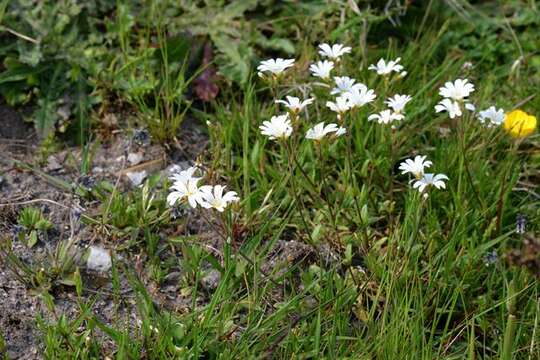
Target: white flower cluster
{"type": "Point", "coordinates": [185, 187]}
{"type": "Point", "coordinates": [422, 180]}
{"type": "Point", "coordinates": [396, 103]}
{"type": "Point", "coordinates": [395, 112]}
{"type": "Point", "coordinates": [350, 94]}
{"type": "Point", "coordinates": [455, 95]}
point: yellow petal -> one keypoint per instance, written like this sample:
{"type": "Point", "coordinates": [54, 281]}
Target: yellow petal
{"type": "Point", "coordinates": [519, 124]}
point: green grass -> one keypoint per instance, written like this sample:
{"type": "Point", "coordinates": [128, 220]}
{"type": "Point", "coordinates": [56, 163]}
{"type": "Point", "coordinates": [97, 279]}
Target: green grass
{"type": "Point", "coordinates": [408, 279]}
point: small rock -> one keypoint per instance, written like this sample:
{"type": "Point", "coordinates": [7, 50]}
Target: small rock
{"type": "Point", "coordinates": [211, 280]}
{"type": "Point", "coordinates": [172, 169]}
{"type": "Point", "coordinates": [176, 168]}
{"type": "Point", "coordinates": [87, 182]}
{"type": "Point", "coordinates": [99, 259]}
{"type": "Point", "coordinates": [64, 111]}
{"type": "Point", "coordinates": [134, 158]}
{"type": "Point", "coordinates": [137, 177]}
{"type": "Point", "coordinates": [53, 164]}
{"type": "Point", "coordinates": [141, 137]}
{"type": "Point", "coordinates": [97, 170]}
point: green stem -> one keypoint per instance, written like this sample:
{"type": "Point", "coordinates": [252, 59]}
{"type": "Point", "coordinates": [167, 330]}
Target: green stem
{"type": "Point", "coordinates": [511, 323]}
{"type": "Point", "coordinates": [462, 135]}
{"type": "Point", "coordinates": [350, 175]}
{"type": "Point", "coordinates": [324, 186]}
{"type": "Point", "coordinates": [294, 193]}
{"type": "Point", "coordinates": [508, 170]}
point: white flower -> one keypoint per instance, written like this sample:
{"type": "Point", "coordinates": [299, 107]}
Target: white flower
{"type": "Point", "coordinates": [320, 130]}
{"type": "Point", "coordinates": [452, 107]}
{"type": "Point", "coordinates": [185, 189]}
{"type": "Point", "coordinates": [341, 105]}
{"type": "Point", "coordinates": [185, 175]}
{"type": "Point", "coordinates": [279, 127]}
{"type": "Point", "coordinates": [385, 117]}
{"type": "Point", "coordinates": [384, 68]}
{"type": "Point", "coordinates": [341, 131]}
{"type": "Point", "coordinates": [491, 116]}
{"type": "Point", "coordinates": [458, 90]}
{"type": "Point", "coordinates": [294, 103]}
{"type": "Point", "coordinates": [334, 51]}
{"type": "Point", "coordinates": [275, 66]}
{"type": "Point", "coordinates": [430, 179]}
{"type": "Point", "coordinates": [322, 69]}
{"type": "Point", "coordinates": [398, 102]}
{"type": "Point", "coordinates": [343, 84]}
{"type": "Point", "coordinates": [213, 197]}
{"type": "Point", "coordinates": [416, 166]}
{"type": "Point", "coordinates": [359, 95]}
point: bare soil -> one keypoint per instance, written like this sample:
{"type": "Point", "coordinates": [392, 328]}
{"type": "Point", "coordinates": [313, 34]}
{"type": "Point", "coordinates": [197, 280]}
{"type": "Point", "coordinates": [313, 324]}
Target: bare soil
{"type": "Point", "coordinates": [20, 305]}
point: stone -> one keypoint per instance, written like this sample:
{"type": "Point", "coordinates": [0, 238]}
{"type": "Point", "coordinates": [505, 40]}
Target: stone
{"type": "Point", "coordinates": [211, 280]}
{"type": "Point", "coordinates": [134, 158]}
{"type": "Point", "coordinates": [99, 259]}
{"type": "Point", "coordinates": [137, 177]}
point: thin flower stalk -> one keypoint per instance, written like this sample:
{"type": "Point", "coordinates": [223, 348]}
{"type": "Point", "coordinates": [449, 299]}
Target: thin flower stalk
{"type": "Point", "coordinates": [324, 186]}
{"type": "Point", "coordinates": [464, 162]}
{"type": "Point", "coordinates": [294, 194]}
{"type": "Point", "coordinates": [350, 173]}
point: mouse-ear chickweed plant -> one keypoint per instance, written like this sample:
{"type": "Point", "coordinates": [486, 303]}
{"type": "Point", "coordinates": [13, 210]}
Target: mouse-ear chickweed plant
{"type": "Point", "coordinates": [274, 67]}
{"type": "Point", "coordinates": [386, 68]}
{"type": "Point", "coordinates": [455, 94]}
{"type": "Point", "coordinates": [363, 165]}
{"type": "Point", "coordinates": [491, 116]}
{"type": "Point", "coordinates": [186, 187]}
{"type": "Point", "coordinates": [343, 129]}
{"type": "Point", "coordinates": [322, 69]}
{"type": "Point", "coordinates": [333, 52]}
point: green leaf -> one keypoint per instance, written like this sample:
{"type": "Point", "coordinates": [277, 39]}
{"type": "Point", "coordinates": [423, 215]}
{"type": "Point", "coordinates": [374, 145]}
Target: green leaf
{"type": "Point", "coordinates": [67, 282]}
{"type": "Point", "coordinates": [16, 71]}
{"type": "Point", "coordinates": [275, 43]}
{"type": "Point", "coordinates": [32, 238]}
{"type": "Point", "coordinates": [30, 54]}
{"type": "Point", "coordinates": [46, 116]}
{"type": "Point", "coordinates": [77, 280]}
{"type": "Point", "coordinates": [43, 224]}
{"type": "Point", "coordinates": [235, 62]}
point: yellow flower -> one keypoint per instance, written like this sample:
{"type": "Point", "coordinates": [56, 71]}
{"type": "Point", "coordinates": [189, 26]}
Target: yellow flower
{"type": "Point", "coordinates": [519, 124]}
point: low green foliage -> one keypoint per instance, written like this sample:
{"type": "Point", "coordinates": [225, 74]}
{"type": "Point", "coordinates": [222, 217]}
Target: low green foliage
{"type": "Point", "coordinates": [56, 266]}
{"type": "Point", "coordinates": [33, 223]}
{"type": "Point", "coordinates": [66, 58]}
